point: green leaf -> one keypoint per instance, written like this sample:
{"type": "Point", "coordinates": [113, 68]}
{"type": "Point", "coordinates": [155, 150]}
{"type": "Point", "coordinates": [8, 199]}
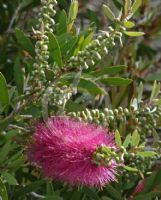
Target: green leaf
{"type": "Point", "coordinates": [4, 151]}
{"type": "Point", "coordinates": [129, 24]}
{"type": "Point", "coordinates": [153, 180]}
{"type": "Point", "coordinates": [3, 191]}
{"type": "Point", "coordinates": [127, 141]}
{"type": "Point", "coordinates": [54, 49]}
{"type": "Point", "coordinates": [108, 12]}
{"type": "Point", "coordinates": [4, 96]}
{"type": "Point", "coordinates": [53, 197]}
{"type": "Point", "coordinates": [135, 138]}
{"type": "Point", "coordinates": [85, 83]}
{"type": "Point", "coordinates": [127, 6]}
{"type": "Point", "coordinates": [87, 40]}
{"type": "Point", "coordinates": [115, 81]}
{"type": "Point", "coordinates": [18, 76]}
{"type": "Point", "coordinates": [154, 76]}
{"type": "Point", "coordinates": [91, 86]}
{"type": "Point", "coordinates": [118, 138]}
{"type": "Point", "coordinates": [146, 153]}
{"type": "Point", "coordinates": [140, 91]}
{"type": "Point", "coordinates": [25, 42]}
{"type": "Point", "coordinates": [9, 178]}
{"type": "Point", "coordinates": [91, 194]}
{"type": "Point", "coordinates": [133, 33]}
{"type": "Point", "coordinates": [76, 195]}
{"type": "Point", "coordinates": [131, 169]}
{"type": "Point", "coordinates": [62, 26]}
{"type": "Point", "coordinates": [112, 192]}
{"type": "Point", "coordinates": [136, 5]}
{"type": "Point", "coordinates": [29, 188]}
{"type": "Point", "coordinates": [110, 70]}
{"type": "Point", "coordinates": [155, 91]}
{"type": "Point", "coordinates": [73, 11]}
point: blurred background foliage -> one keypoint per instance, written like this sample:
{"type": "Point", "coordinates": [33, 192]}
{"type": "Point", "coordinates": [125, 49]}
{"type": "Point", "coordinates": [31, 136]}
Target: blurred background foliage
{"type": "Point", "coordinates": [141, 55]}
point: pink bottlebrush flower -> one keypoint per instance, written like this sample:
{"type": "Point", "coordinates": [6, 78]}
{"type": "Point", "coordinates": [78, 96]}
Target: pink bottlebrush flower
{"type": "Point", "coordinates": [63, 148]}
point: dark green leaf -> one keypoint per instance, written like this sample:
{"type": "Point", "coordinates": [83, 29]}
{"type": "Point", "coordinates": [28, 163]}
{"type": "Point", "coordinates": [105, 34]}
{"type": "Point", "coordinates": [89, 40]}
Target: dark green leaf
{"type": "Point", "coordinates": [110, 70]}
{"type": "Point", "coordinates": [112, 192]}
{"type": "Point", "coordinates": [54, 49]}
{"type": "Point", "coordinates": [4, 96]}
{"type": "Point", "coordinates": [9, 178]}
{"type": "Point", "coordinates": [62, 26]}
{"type": "Point", "coordinates": [115, 81]}
{"type": "Point", "coordinates": [90, 86]}
{"type": "Point", "coordinates": [3, 191]}
{"type": "Point", "coordinates": [18, 76]}
{"type": "Point", "coordinates": [25, 42]}
{"type": "Point", "coordinates": [30, 188]}
{"type": "Point", "coordinates": [154, 76]}
{"type": "Point", "coordinates": [91, 194]}
{"type": "Point", "coordinates": [4, 151]}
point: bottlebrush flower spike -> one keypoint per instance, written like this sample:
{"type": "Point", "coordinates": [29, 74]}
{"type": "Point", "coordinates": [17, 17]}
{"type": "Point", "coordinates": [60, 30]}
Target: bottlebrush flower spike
{"type": "Point", "coordinates": [64, 147]}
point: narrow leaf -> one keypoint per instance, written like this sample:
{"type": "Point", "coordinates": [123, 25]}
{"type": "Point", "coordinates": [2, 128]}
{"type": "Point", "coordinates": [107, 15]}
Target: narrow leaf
{"type": "Point", "coordinates": [127, 141]}
{"type": "Point", "coordinates": [133, 33]}
{"type": "Point", "coordinates": [62, 26]}
{"type": "Point", "coordinates": [140, 92]}
{"type": "Point", "coordinates": [127, 6]}
{"type": "Point", "coordinates": [3, 191]}
{"type": "Point", "coordinates": [131, 169]}
{"type": "Point", "coordinates": [135, 138]}
{"type": "Point", "coordinates": [18, 76]}
{"type": "Point", "coordinates": [25, 42]}
{"type": "Point", "coordinates": [4, 151]}
{"type": "Point", "coordinates": [118, 138]}
{"type": "Point", "coordinates": [115, 81]}
{"type": "Point", "coordinates": [146, 153]}
{"type": "Point", "coordinates": [110, 70]}
{"type": "Point", "coordinates": [10, 178]}
{"type": "Point", "coordinates": [129, 24]}
{"type": "Point", "coordinates": [155, 90]}
{"type": "Point", "coordinates": [108, 12]}
{"type": "Point", "coordinates": [54, 49]}
{"type": "Point", "coordinates": [136, 5]}
{"type": "Point", "coordinates": [4, 96]}
{"type": "Point", "coordinates": [73, 11]}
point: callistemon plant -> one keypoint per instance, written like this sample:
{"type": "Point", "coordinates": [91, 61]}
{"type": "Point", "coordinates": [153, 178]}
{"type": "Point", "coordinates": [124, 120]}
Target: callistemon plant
{"type": "Point", "coordinates": [80, 115]}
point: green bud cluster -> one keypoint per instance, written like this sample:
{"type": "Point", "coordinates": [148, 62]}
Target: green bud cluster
{"type": "Point", "coordinates": [96, 50]}
{"type": "Point", "coordinates": [46, 24]}
{"type": "Point", "coordinates": [58, 95]}
{"type": "Point", "coordinates": [144, 119]}
{"type": "Point", "coordinates": [104, 155]}
{"type": "Point", "coordinates": [144, 165]}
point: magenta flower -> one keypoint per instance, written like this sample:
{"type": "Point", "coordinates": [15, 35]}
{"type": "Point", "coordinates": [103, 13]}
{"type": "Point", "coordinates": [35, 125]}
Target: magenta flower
{"type": "Point", "coordinates": [63, 148]}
